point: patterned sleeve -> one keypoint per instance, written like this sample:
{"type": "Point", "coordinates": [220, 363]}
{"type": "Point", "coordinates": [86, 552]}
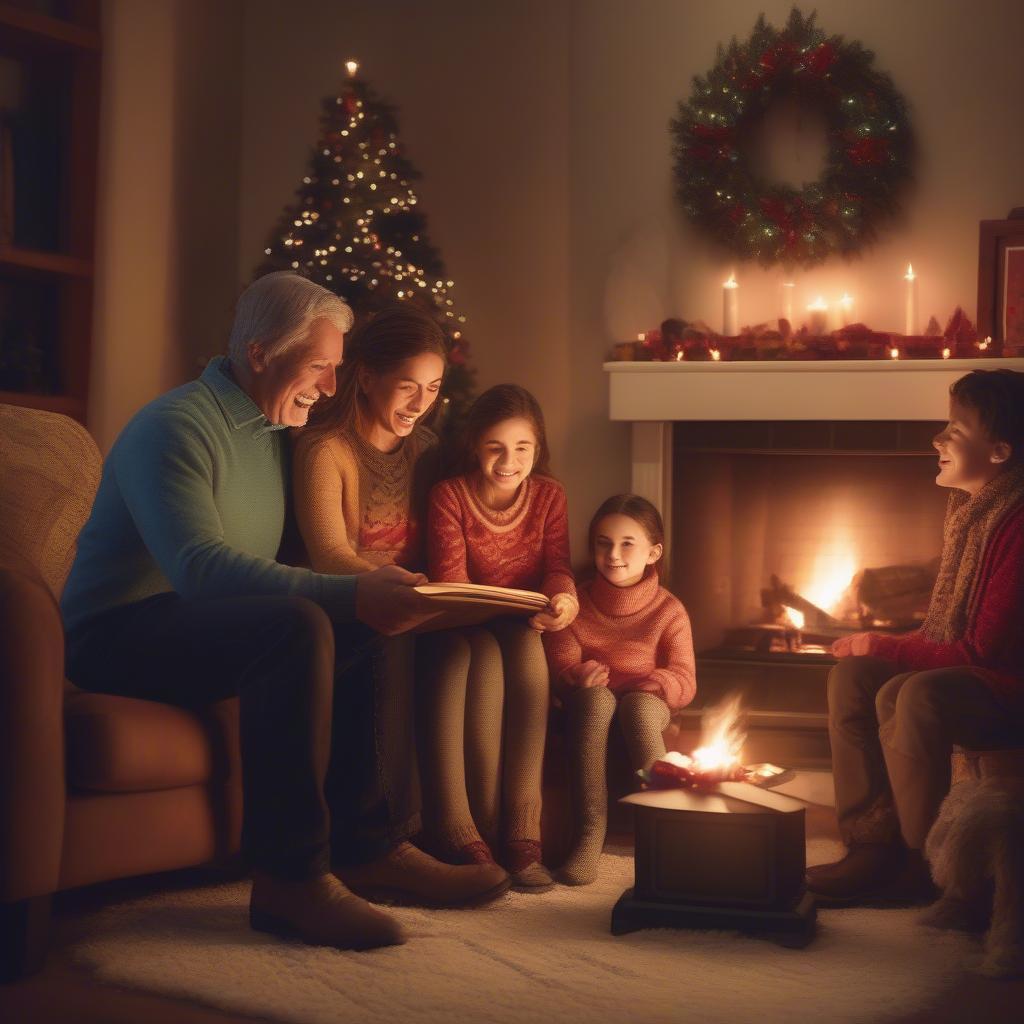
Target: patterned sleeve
{"type": "Point", "coordinates": [446, 538]}
{"type": "Point", "coordinates": [557, 576]}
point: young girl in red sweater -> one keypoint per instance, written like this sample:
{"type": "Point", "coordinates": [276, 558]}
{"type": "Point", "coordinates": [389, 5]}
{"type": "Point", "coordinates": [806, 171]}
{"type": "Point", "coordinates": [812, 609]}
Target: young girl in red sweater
{"type": "Point", "coordinates": [629, 654]}
{"type": "Point", "coordinates": [503, 522]}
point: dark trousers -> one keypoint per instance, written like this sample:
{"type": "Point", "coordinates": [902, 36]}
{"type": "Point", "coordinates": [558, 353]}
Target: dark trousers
{"type": "Point", "coordinates": [892, 734]}
{"type": "Point", "coordinates": [281, 656]}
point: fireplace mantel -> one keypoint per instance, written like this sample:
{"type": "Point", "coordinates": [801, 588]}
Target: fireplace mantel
{"type": "Point", "coordinates": [869, 389]}
{"type": "Point", "coordinates": [653, 395]}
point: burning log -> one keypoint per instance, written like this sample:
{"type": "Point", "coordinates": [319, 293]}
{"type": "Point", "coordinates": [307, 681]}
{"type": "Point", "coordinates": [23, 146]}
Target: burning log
{"type": "Point", "coordinates": [895, 595]}
{"type": "Point", "coordinates": [779, 596]}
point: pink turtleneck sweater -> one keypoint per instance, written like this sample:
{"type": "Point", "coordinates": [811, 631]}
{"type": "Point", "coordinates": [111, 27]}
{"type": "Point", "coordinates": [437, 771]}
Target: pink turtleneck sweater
{"type": "Point", "coordinates": [642, 633]}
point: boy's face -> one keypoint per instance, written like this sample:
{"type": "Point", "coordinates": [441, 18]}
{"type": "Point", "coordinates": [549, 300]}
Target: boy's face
{"type": "Point", "coordinates": [968, 456]}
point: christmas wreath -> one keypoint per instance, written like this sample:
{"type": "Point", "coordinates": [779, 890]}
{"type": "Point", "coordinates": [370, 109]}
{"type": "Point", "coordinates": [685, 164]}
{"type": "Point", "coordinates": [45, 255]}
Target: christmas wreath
{"type": "Point", "coordinates": [869, 146]}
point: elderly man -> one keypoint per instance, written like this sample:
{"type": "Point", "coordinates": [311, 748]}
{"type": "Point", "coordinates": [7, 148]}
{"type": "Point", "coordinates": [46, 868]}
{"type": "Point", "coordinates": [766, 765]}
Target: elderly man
{"type": "Point", "coordinates": [176, 595]}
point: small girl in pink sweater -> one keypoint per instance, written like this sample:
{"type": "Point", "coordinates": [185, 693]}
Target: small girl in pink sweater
{"type": "Point", "coordinates": [630, 652]}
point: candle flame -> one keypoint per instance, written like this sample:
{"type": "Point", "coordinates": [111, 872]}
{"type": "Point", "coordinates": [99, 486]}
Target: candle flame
{"type": "Point", "coordinates": [351, 67]}
{"type": "Point", "coordinates": [946, 353]}
{"type": "Point", "coordinates": [679, 356]}
{"type": "Point", "coordinates": [641, 336]}
{"type": "Point", "coordinates": [716, 355]}
{"type": "Point", "coordinates": [894, 353]}
{"type": "Point", "coordinates": [731, 283]}
{"type": "Point", "coordinates": [846, 300]}
{"type": "Point", "coordinates": [794, 617]}
{"type": "Point", "coordinates": [984, 344]}
{"type": "Point", "coordinates": [910, 275]}
{"type": "Point", "coordinates": [818, 304]}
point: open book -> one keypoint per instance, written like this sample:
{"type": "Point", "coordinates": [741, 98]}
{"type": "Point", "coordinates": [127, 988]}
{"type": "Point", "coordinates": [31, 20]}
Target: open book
{"type": "Point", "coordinates": [466, 604]}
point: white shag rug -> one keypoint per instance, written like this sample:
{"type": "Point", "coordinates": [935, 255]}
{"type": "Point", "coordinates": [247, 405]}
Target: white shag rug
{"type": "Point", "coordinates": [525, 959]}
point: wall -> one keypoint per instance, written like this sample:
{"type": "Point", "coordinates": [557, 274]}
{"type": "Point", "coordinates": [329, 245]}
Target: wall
{"type": "Point", "coordinates": [541, 132]}
{"type": "Point", "coordinates": [167, 211]}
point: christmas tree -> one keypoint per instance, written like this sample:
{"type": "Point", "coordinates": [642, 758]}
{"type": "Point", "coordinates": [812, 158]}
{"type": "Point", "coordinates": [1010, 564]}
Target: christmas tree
{"type": "Point", "coordinates": [355, 227]}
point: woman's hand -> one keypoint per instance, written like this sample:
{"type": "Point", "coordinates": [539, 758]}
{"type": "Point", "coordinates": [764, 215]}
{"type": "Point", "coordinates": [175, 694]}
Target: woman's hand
{"type": "Point", "coordinates": [853, 645]}
{"type": "Point", "coordinates": [560, 612]}
{"type": "Point", "coordinates": [585, 674]}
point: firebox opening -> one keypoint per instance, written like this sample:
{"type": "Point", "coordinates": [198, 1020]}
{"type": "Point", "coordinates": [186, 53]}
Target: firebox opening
{"type": "Point", "coordinates": [779, 550]}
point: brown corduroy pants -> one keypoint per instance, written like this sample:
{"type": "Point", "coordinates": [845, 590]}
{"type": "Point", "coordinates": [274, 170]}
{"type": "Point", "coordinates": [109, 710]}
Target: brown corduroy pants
{"type": "Point", "coordinates": [892, 734]}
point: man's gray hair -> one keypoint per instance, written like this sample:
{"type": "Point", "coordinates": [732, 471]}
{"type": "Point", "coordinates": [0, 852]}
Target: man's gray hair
{"type": "Point", "coordinates": [277, 310]}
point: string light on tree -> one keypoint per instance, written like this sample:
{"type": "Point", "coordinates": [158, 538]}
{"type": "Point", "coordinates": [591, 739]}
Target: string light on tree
{"type": "Point", "coordinates": [355, 226]}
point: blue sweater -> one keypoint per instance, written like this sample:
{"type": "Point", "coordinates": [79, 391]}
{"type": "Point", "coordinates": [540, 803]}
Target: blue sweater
{"type": "Point", "coordinates": [192, 500]}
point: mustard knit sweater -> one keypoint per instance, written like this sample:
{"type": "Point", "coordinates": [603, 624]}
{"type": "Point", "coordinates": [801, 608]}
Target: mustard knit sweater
{"type": "Point", "coordinates": [358, 507]}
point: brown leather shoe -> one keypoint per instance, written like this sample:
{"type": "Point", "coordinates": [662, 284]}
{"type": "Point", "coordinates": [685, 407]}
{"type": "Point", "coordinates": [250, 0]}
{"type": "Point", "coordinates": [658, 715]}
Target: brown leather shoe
{"type": "Point", "coordinates": [407, 875]}
{"type": "Point", "coordinates": [321, 912]}
{"type": "Point", "coordinates": [872, 874]}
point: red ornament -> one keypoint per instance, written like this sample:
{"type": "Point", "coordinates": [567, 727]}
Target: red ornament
{"type": "Point", "coordinates": [821, 59]}
{"type": "Point", "coordinates": [868, 151]}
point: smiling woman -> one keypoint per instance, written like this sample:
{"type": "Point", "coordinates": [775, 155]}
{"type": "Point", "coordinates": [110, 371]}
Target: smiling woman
{"type": "Point", "coordinates": [364, 466]}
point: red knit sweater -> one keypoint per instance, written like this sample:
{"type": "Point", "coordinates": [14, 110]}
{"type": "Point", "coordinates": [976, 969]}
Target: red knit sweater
{"type": "Point", "coordinates": [525, 546]}
{"type": "Point", "coordinates": [642, 633]}
{"type": "Point", "coordinates": [994, 638]}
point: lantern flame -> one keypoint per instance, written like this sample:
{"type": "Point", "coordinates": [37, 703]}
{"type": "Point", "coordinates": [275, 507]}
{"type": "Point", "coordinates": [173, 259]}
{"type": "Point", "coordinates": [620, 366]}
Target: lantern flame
{"type": "Point", "coordinates": [722, 736]}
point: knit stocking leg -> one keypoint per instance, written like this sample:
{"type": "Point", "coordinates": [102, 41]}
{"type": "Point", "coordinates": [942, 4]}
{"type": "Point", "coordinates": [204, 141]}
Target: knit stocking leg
{"type": "Point", "coordinates": [526, 722]}
{"type": "Point", "coordinates": [444, 660]}
{"type": "Point", "coordinates": [485, 699]}
{"type": "Point", "coordinates": [590, 711]}
{"type": "Point", "coordinates": [643, 717]}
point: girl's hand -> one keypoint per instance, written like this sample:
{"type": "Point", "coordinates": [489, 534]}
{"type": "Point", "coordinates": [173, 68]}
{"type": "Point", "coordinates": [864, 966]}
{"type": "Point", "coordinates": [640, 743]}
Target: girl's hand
{"type": "Point", "coordinates": [560, 612]}
{"type": "Point", "coordinates": [586, 674]}
{"type": "Point", "coordinates": [853, 645]}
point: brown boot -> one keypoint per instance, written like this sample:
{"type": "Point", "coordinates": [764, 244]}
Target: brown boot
{"type": "Point", "coordinates": [321, 912]}
{"type": "Point", "coordinates": [877, 874]}
{"type": "Point", "coordinates": [407, 875]}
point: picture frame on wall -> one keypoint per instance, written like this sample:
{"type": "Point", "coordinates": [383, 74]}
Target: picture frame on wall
{"type": "Point", "coordinates": [1001, 282]}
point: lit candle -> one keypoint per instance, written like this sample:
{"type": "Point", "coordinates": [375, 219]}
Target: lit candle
{"type": "Point", "coordinates": [910, 326]}
{"type": "Point", "coordinates": [731, 307]}
{"type": "Point", "coordinates": [894, 353]}
{"type": "Point", "coordinates": [845, 310]}
{"type": "Point", "coordinates": [641, 336]}
{"type": "Point", "coordinates": [817, 318]}
{"type": "Point", "coordinates": [982, 345]}
{"type": "Point", "coordinates": [946, 353]}
{"type": "Point", "coordinates": [716, 355]}
{"type": "Point", "coordinates": [787, 301]}
{"type": "Point", "coordinates": [351, 67]}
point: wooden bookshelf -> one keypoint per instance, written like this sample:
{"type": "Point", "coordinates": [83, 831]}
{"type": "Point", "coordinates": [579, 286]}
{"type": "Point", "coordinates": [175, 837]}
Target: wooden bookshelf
{"type": "Point", "coordinates": [49, 124]}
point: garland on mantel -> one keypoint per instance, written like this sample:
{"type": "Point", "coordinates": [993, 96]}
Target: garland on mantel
{"type": "Point", "coordinates": [680, 341]}
{"type": "Point", "coordinates": [869, 146]}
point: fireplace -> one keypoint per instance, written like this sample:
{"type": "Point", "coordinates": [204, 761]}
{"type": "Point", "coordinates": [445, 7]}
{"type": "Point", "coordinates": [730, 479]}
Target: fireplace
{"type": "Point", "coordinates": [799, 503]}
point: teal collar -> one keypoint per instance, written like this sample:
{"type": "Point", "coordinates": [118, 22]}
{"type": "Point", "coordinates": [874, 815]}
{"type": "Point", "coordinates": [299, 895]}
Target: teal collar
{"type": "Point", "coordinates": [239, 409]}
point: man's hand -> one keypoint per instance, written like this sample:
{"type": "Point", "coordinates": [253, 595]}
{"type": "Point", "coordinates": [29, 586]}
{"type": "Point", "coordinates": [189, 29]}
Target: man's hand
{"type": "Point", "coordinates": [560, 612]}
{"type": "Point", "coordinates": [854, 644]}
{"type": "Point", "coordinates": [386, 601]}
{"type": "Point", "coordinates": [585, 674]}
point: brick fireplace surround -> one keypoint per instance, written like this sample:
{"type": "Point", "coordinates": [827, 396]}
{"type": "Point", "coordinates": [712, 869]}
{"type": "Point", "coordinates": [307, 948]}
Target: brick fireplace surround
{"type": "Point", "coordinates": [789, 723]}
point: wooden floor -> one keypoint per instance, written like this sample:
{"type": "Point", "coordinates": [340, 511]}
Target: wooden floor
{"type": "Point", "coordinates": [62, 992]}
